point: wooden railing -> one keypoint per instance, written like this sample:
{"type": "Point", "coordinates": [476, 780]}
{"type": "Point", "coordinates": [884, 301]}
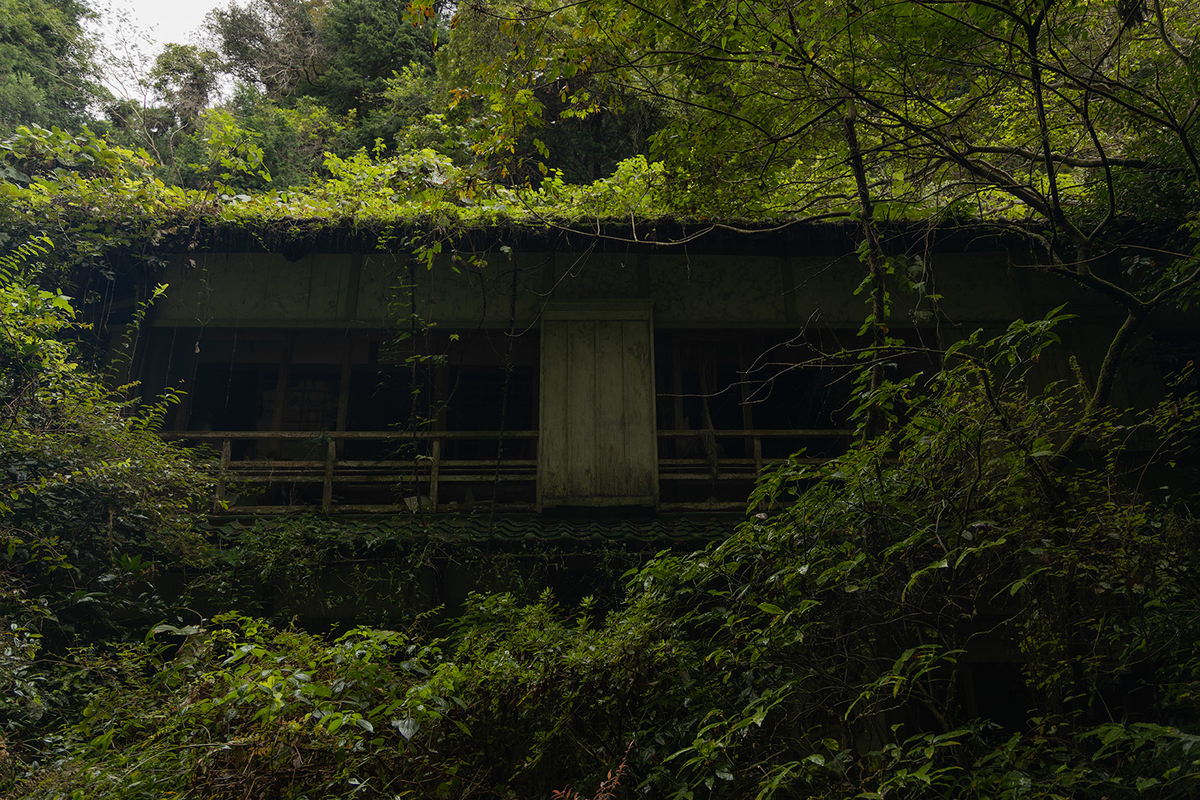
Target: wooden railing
{"type": "Point", "coordinates": [424, 467]}
{"type": "Point", "coordinates": [418, 465]}
{"type": "Point", "coordinates": [738, 466]}
{"type": "Point", "coordinates": [698, 465]}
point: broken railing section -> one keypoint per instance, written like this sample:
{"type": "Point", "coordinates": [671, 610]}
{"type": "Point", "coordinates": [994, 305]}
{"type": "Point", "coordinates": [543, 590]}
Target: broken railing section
{"type": "Point", "coordinates": [269, 472]}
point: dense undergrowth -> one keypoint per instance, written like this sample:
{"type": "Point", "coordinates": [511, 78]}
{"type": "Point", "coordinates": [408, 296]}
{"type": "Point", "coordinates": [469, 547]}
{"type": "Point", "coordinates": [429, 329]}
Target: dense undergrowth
{"type": "Point", "coordinates": [324, 572]}
{"type": "Point", "coordinates": [944, 611]}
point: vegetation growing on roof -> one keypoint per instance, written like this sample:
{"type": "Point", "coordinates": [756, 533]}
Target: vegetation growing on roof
{"type": "Point", "coordinates": [827, 650]}
{"type": "Point", "coordinates": [93, 195]}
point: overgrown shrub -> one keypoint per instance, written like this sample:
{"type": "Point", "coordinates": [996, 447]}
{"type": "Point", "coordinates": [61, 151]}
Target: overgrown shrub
{"type": "Point", "coordinates": [92, 501]}
{"type": "Point", "coordinates": [390, 571]}
{"type": "Point", "coordinates": [834, 646]}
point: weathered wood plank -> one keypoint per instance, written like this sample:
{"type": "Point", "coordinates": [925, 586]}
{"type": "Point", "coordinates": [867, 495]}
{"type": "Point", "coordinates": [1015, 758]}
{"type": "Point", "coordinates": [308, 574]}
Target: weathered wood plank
{"type": "Point", "coordinates": [383, 436]}
{"type": "Point", "coordinates": [610, 454]}
{"type": "Point", "coordinates": [581, 406]}
{"type": "Point", "coordinates": [612, 465]}
{"type": "Point", "coordinates": [552, 443]}
{"type": "Point", "coordinates": [641, 443]}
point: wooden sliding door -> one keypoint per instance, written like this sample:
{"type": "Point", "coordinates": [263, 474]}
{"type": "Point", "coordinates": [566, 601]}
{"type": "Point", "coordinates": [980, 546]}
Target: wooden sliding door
{"type": "Point", "coordinates": [598, 441]}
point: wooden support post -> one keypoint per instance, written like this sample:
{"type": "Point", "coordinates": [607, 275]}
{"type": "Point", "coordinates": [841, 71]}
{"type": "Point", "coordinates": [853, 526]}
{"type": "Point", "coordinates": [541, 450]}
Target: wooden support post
{"type": "Point", "coordinates": [226, 457]}
{"type": "Point", "coordinates": [330, 459]}
{"type": "Point", "coordinates": [282, 378]}
{"type": "Point", "coordinates": [677, 445]}
{"type": "Point", "coordinates": [184, 410]}
{"type": "Point", "coordinates": [343, 410]}
{"type": "Point", "coordinates": [441, 398]}
{"type": "Point", "coordinates": [436, 453]}
{"type": "Point", "coordinates": [758, 466]}
{"type": "Point", "coordinates": [747, 411]}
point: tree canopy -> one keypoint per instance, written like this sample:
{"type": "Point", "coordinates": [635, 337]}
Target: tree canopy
{"type": "Point", "coordinates": [824, 649]}
{"type": "Point", "coordinates": [47, 76]}
{"type": "Point", "coordinates": [1076, 119]}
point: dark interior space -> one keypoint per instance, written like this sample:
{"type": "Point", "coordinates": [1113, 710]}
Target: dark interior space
{"type": "Point", "coordinates": [997, 692]}
{"type": "Point", "coordinates": [477, 403]}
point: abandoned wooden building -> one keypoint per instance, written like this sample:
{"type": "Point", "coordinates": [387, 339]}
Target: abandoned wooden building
{"type": "Point", "coordinates": [553, 373]}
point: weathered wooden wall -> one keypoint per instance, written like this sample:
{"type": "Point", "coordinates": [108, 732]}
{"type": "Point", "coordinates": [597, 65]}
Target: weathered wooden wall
{"type": "Point", "coordinates": [688, 291]}
{"type": "Point", "coordinates": [597, 445]}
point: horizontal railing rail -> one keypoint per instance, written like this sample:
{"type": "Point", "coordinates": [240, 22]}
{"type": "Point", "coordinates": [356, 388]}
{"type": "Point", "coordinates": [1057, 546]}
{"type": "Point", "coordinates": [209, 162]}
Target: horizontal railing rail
{"type": "Point", "coordinates": [737, 467]}
{"type": "Point", "coordinates": [429, 470]}
{"type": "Point", "coordinates": [700, 467]}
{"type": "Point", "coordinates": [425, 472]}
{"type": "Point", "coordinates": [370, 435]}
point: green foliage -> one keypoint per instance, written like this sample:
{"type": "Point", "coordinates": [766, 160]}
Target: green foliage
{"type": "Point", "coordinates": [58, 155]}
{"type": "Point", "coordinates": [1070, 115]}
{"type": "Point", "coordinates": [836, 644]}
{"type": "Point", "coordinates": [293, 139]}
{"type": "Point", "coordinates": [300, 714]}
{"type": "Point", "coordinates": [368, 41]}
{"type": "Point", "coordinates": [394, 572]}
{"type": "Point", "coordinates": [517, 78]}
{"type": "Point", "coordinates": [95, 198]}
{"type": "Point", "coordinates": [232, 155]}
{"type": "Point", "coordinates": [47, 76]}
{"type": "Point", "coordinates": [86, 478]}
{"type": "Point", "coordinates": [828, 648]}
{"type": "Point", "coordinates": [340, 55]}
{"type": "Point", "coordinates": [89, 196]}
{"type": "Point", "coordinates": [270, 43]}
{"type": "Point", "coordinates": [91, 500]}
{"type": "Point", "coordinates": [184, 76]}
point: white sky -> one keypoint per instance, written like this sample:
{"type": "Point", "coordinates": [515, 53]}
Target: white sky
{"type": "Point", "coordinates": [168, 20]}
{"type": "Point", "coordinates": [136, 30]}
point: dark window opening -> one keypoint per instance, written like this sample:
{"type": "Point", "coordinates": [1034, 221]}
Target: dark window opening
{"type": "Point", "coordinates": [477, 403]}
{"type": "Point", "coordinates": [753, 381]}
{"type": "Point", "coordinates": [800, 398]}
{"type": "Point", "coordinates": [743, 392]}
{"type": "Point", "coordinates": [226, 398]}
{"type": "Point", "coordinates": [311, 400]}
{"type": "Point", "coordinates": [388, 399]}
{"type": "Point", "coordinates": [230, 398]}
{"type": "Point", "coordinates": [996, 691]}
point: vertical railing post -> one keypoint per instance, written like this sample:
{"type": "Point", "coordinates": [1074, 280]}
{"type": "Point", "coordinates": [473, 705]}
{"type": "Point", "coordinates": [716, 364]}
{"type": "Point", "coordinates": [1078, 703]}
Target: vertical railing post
{"type": "Point", "coordinates": [330, 458]}
{"type": "Point", "coordinates": [226, 453]}
{"type": "Point", "coordinates": [435, 467]}
{"type": "Point", "coordinates": [758, 466]}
